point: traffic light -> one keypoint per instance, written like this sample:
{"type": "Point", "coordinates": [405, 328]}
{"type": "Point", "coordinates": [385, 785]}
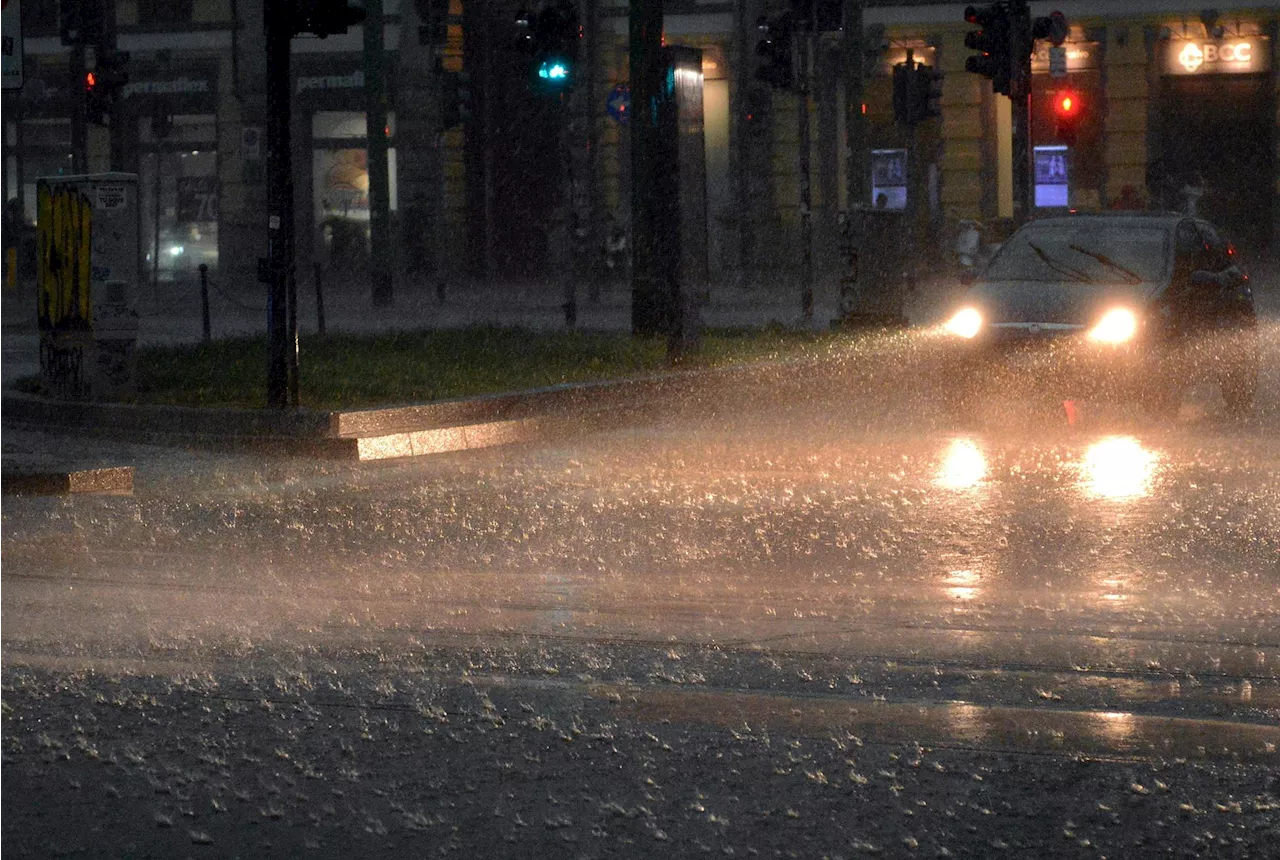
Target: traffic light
{"type": "Point", "coordinates": [774, 51]}
{"type": "Point", "coordinates": [1068, 108]}
{"type": "Point", "coordinates": [551, 37]}
{"type": "Point", "coordinates": [917, 89]}
{"type": "Point", "coordinates": [103, 85]}
{"type": "Point", "coordinates": [927, 95]}
{"type": "Point", "coordinates": [1053, 27]}
{"type": "Point", "coordinates": [903, 85]}
{"type": "Point", "coordinates": [325, 17]}
{"type": "Point", "coordinates": [455, 99]}
{"type": "Point", "coordinates": [993, 40]}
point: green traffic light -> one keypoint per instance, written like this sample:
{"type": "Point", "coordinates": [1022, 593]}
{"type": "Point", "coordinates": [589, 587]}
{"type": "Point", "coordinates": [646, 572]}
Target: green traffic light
{"type": "Point", "coordinates": [555, 71]}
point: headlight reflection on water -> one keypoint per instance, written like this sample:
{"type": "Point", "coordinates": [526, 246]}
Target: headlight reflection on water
{"type": "Point", "coordinates": [963, 466]}
{"type": "Point", "coordinates": [1118, 467]}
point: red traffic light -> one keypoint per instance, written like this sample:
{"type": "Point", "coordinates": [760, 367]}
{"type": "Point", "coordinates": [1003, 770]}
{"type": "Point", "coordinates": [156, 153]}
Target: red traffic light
{"type": "Point", "coordinates": [1067, 105]}
{"type": "Point", "coordinates": [90, 80]}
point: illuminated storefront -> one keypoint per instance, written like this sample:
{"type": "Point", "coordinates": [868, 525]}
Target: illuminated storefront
{"type": "Point", "coordinates": [1213, 135]}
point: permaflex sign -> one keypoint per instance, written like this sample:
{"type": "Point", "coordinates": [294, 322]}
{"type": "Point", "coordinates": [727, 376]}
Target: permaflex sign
{"type": "Point", "coordinates": [11, 37]}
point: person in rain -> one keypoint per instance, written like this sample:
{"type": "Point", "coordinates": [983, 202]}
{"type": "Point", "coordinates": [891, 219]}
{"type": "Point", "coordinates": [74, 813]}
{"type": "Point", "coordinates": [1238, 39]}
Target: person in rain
{"type": "Point", "coordinates": [1191, 193]}
{"type": "Point", "coordinates": [615, 247]}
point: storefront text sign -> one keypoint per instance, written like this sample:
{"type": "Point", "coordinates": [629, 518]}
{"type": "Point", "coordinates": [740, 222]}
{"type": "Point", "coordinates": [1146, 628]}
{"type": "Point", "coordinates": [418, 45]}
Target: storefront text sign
{"type": "Point", "coordinates": [1232, 56]}
{"type": "Point", "coordinates": [1072, 57]}
{"type": "Point", "coordinates": [10, 45]}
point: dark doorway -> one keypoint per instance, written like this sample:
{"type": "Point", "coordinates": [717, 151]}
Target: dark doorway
{"type": "Point", "coordinates": [1220, 127]}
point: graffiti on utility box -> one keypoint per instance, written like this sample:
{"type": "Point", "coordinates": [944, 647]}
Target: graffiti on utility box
{"type": "Point", "coordinates": [64, 236]}
{"type": "Point", "coordinates": [87, 278]}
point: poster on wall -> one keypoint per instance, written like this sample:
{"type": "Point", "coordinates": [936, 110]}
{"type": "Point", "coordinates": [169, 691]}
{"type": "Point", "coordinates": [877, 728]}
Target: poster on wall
{"type": "Point", "coordinates": [342, 180]}
{"type": "Point", "coordinates": [889, 178]}
{"type": "Point", "coordinates": [1052, 188]}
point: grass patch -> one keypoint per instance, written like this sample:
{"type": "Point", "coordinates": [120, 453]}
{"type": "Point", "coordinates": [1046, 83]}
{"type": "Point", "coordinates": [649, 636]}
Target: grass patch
{"type": "Point", "coordinates": [347, 371]}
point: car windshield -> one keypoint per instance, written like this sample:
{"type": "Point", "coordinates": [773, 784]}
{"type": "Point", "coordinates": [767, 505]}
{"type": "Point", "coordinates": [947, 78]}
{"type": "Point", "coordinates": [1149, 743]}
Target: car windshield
{"type": "Point", "coordinates": [1101, 253]}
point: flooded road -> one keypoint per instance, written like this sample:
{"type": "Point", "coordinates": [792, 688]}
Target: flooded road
{"type": "Point", "coordinates": [843, 569]}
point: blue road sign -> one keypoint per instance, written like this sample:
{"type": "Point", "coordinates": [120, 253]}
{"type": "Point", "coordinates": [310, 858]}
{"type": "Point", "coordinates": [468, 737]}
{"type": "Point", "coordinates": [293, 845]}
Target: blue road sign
{"type": "Point", "coordinates": [619, 103]}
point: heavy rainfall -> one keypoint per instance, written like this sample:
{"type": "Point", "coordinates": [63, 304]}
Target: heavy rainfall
{"type": "Point", "coordinates": [970, 548]}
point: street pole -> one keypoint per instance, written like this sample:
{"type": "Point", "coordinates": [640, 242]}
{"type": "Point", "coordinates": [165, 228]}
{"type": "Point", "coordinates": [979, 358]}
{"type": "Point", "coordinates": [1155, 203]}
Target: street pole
{"type": "Point", "coordinates": [648, 290]}
{"type": "Point", "coordinates": [804, 44]}
{"type": "Point", "coordinates": [856, 155]}
{"type": "Point", "coordinates": [117, 119]}
{"type": "Point", "coordinates": [1020, 95]}
{"type": "Point", "coordinates": [79, 122]}
{"type": "Point", "coordinates": [279, 204]}
{"type": "Point", "coordinates": [375, 90]}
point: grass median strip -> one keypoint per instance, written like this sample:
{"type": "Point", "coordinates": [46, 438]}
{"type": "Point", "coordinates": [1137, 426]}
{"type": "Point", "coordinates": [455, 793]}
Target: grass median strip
{"type": "Point", "coordinates": [348, 371]}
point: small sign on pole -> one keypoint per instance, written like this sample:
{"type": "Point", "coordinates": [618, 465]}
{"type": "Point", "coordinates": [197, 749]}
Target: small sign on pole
{"type": "Point", "coordinates": [1057, 61]}
{"type": "Point", "coordinates": [11, 36]}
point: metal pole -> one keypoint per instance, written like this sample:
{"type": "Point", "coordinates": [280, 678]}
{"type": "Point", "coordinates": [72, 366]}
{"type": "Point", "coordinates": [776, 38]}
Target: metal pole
{"type": "Point", "coordinates": [79, 123]}
{"type": "Point", "coordinates": [116, 132]}
{"type": "Point", "coordinates": [204, 302]}
{"type": "Point", "coordinates": [856, 156]}
{"type": "Point", "coordinates": [648, 297]}
{"type": "Point", "coordinates": [568, 251]}
{"type": "Point", "coordinates": [320, 298]}
{"type": "Point", "coordinates": [804, 42]}
{"type": "Point", "coordinates": [488, 93]}
{"type": "Point", "coordinates": [1020, 94]}
{"type": "Point", "coordinates": [375, 89]}
{"type": "Point", "coordinates": [279, 202]}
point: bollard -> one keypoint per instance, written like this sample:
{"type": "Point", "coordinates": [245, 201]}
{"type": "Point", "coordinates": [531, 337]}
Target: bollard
{"type": "Point", "coordinates": [204, 301]}
{"type": "Point", "coordinates": [319, 299]}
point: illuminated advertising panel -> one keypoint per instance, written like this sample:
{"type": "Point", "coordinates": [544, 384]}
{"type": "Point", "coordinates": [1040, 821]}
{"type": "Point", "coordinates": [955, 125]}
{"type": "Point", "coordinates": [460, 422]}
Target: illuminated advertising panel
{"type": "Point", "coordinates": [1233, 55]}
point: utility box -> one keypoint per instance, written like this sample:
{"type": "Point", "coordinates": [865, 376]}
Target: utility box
{"type": "Point", "coordinates": [87, 265]}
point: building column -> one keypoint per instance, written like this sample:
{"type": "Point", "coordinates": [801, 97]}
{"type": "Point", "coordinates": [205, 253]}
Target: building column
{"type": "Point", "coordinates": [961, 166]}
{"type": "Point", "coordinates": [1127, 83]}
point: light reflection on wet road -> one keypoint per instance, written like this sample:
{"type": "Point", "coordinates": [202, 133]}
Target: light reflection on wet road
{"type": "Point", "coordinates": [1108, 567]}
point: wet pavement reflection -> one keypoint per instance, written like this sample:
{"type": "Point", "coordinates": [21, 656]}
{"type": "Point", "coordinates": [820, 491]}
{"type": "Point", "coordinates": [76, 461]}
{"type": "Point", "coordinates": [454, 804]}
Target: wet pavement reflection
{"type": "Point", "coordinates": [861, 530]}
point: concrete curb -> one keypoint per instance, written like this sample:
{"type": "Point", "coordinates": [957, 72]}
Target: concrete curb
{"type": "Point", "coordinates": [116, 480]}
{"type": "Point", "coordinates": [403, 431]}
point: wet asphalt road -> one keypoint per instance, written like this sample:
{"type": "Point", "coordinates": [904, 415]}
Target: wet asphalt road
{"type": "Point", "coordinates": [827, 603]}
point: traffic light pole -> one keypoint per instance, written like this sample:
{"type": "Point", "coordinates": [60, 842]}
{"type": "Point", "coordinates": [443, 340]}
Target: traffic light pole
{"type": "Point", "coordinates": [804, 43]}
{"type": "Point", "coordinates": [79, 122]}
{"type": "Point", "coordinates": [117, 141]}
{"type": "Point", "coordinates": [380, 245]}
{"type": "Point", "coordinates": [856, 165]}
{"type": "Point", "coordinates": [279, 33]}
{"type": "Point", "coordinates": [648, 291]}
{"type": "Point", "coordinates": [1020, 93]}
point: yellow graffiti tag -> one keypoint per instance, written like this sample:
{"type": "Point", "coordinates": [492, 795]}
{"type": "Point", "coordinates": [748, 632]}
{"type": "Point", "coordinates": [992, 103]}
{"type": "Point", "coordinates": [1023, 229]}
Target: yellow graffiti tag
{"type": "Point", "coordinates": [64, 230]}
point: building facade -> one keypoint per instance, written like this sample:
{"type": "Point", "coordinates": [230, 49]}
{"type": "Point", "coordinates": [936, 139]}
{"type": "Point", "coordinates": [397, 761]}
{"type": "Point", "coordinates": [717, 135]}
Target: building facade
{"type": "Point", "coordinates": [1179, 107]}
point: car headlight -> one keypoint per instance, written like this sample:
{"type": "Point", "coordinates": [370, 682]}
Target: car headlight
{"type": "Point", "coordinates": [1117, 325]}
{"type": "Point", "coordinates": [966, 323]}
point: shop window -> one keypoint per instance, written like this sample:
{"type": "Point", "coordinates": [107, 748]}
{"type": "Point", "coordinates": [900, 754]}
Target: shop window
{"type": "Point", "coordinates": [165, 11]}
{"type": "Point", "coordinates": [179, 190]}
{"type": "Point", "coordinates": [344, 125]}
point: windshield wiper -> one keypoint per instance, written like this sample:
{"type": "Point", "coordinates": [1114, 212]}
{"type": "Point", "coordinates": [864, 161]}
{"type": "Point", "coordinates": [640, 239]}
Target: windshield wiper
{"type": "Point", "coordinates": [1134, 277]}
{"type": "Point", "coordinates": [1059, 266]}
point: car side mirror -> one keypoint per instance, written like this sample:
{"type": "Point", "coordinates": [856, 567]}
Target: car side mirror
{"type": "Point", "coordinates": [1201, 278]}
